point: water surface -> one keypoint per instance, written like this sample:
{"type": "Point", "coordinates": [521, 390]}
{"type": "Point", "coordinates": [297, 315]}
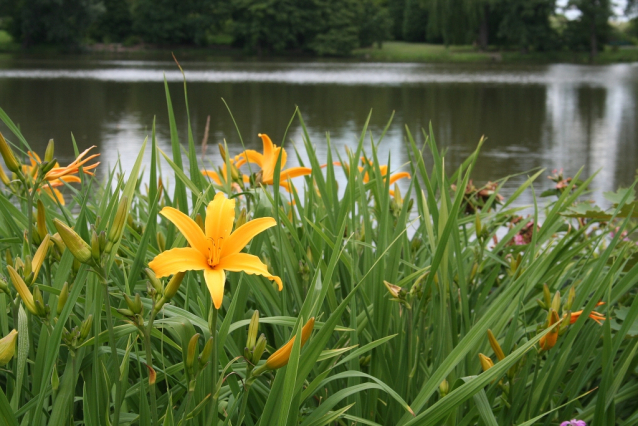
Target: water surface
{"type": "Point", "coordinates": [551, 116]}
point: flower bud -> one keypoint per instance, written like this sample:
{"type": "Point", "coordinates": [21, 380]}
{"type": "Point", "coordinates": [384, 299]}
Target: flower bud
{"type": "Point", "coordinates": [47, 166]}
{"type": "Point", "coordinates": [41, 219]}
{"type": "Point", "coordinates": [4, 287]}
{"type": "Point", "coordinates": [486, 362]}
{"type": "Point", "coordinates": [477, 225]}
{"type": "Point", "coordinates": [22, 290]}
{"type": "Point", "coordinates": [4, 178]}
{"type": "Point", "coordinates": [204, 356]}
{"type": "Point", "coordinates": [102, 240]}
{"type": "Point", "coordinates": [394, 290]}
{"type": "Point", "coordinates": [258, 351]}
{"type": "Point", "coordinates": [59, 244]}
{"type": "Point", "coordinates": [556, 301]}
{"type": "Point", "coordinates": [135, 305]}
{"type": "Point", "coordinates": [155, 282]}
{"type": "Point", "coordinates": [444, 388]}
{"type": "Point", "coordinates": [570, 298]}
{"type": "Point", "coordinates": [281, 357]}
{"type": "Point", "coordinates": [121, 216]}
{"type": "Point", "coordinates": [222, 151]}
{"type": "Point", "coordinates": [48, 154]}
{"type": "Point", "coordinates": [495, 346]}
{"type": "Point", "coordinates": [253, 328]}
{"type": "Point", "coordinates": [547, 297]}
{"type": "Point", "coordinates": [78, 247]}
{"type": "Point", "coordinates": [8, 347]}
{"type": "Point", "coordinates": [9, 158]}
{"type": "Point", "coordinates": [95, 246]}
{"type": "Point", "coordinates": [126, 312]}
{"type": "Point", "coordinates": [152, 375]}
{"type": "Point", "coordinates": [548, 341]}
{"type": "Point", "coordinates": [173, 285]}
{"type": "Point", "coordinates": [191, 353]}
{"type": "Point", "coordinates": [55, 379]}
{"type": "Point", "coordinates": [241, 220]}
{"type": "Point", "coordinates": [28, 268]}
{"type": "Point", "coordinates": [39, 302]}
{"type": "Point", "coordinates": [8, 257]}
{"type": "Point", "coordinates": [161, 241]}
{"type": "Point", "coordinates": [64, 295]}
{"type": "Point", "coordinates": [85, 328]}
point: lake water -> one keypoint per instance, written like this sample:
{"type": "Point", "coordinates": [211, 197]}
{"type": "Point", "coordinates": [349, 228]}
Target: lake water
{"type": "Point", "coordinates": [551, 116]}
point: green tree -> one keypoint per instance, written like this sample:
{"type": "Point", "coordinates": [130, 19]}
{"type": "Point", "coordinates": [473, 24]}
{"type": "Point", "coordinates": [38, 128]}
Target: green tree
{"type": "Point", "coordinates": [116, 23]}
{"type": "Point", "coordinates": [592, 26]}
{"type": "Point", "coordinates": [396, 10]}
{"type": "Point", "coordinates": [54, 22]}
{"type": "Point", "coordinates": [374, 23]}
{"type": "Point", "coordinates": [177, 21]}
{"type": "Point", "coordinates": [526, 24]}
{"type": "Point", "coordinates": [338, 32]}
{"type": "Point", "coordinates": [415, 19]}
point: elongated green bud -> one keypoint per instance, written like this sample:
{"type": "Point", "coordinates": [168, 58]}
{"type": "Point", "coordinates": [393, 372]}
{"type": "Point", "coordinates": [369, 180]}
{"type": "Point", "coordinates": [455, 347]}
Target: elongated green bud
{"type": "Point", "coordinates": [570, 298]}
{"type": "Point", "coordinates": [161, 242]}
{"type": "Point", "coordinates": [85, 328]}
{"type": "Point", "coordinates": [48, 154]}
{"type": "Point", "coordinates": [204, 356]}
{"type": "Point", "coordinates": [4, 178]}
{"type": "Point", "coordinates": [8, 257]}
{"type": "Point", "coordinates": [7, 154]}
{"type": "Point", "coordinates": [126, 312]}
{"type": "Point", "coordinates": [260, 347]}
{"type": "Point", "coordinates": [191, 353]}
{"type": "Point", "coordinates": [4, 287]}
{"type": "Point", "coordinates": [55, 379]}
{"type": "Point", "coordinates": [28, 267]}
{"type": "Point", "coordinates": [135, 305]}
{"type": "Point", "coordinates": [253, 328]}
{"type": "Point", "coordinates": [547, 296]}
{"type": "Point", "coordinates": [121, 216]}
{"type": "Point", "coordinates": [155, 282]}
{"type": "Point", "coordinates": [22, 290]}
{"type": "Point", "coordinates": [64, 295]}
{"type": "Point", "coordinates": [444, 388]}
{"type": "Point", "coordinates": [78, 247]}
{"type": "Point", "coordinates": [477, 225]}
{"type": "Point", "coordinates": [95, 246]}
{"type": "Point", "coordinates": [241, 219]}
{"type": "Point", "coordinates": [46, 166]}
{"type": "Point", "coordinates": [41, 219]}
{"type": "Point", "coordinates": [556, 301]}
{"type": "Point", "coordinates": [102, 240]}
{"type": "Point", "coordinates": [173, 285]}
{"type": "Point", "coordinates": [39, 301]}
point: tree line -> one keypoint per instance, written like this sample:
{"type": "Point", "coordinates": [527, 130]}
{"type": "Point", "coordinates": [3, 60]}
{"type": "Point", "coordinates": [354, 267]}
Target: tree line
{"type": "Point", "coordinates": [322, 27]}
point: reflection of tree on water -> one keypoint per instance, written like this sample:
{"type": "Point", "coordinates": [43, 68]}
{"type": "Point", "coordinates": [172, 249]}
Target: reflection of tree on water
{"type": "Point", "coordinates": [551, 116]}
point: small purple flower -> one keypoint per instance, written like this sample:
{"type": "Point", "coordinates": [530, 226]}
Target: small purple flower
{"type": "Point", "coordinates": [574, 422]}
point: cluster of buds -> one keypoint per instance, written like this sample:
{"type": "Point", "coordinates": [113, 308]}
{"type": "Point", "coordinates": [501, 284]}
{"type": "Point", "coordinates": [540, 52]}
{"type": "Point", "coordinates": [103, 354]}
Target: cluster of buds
{"type": "Point", "coordinates": [515, 263]}
{"type": "Point", "coordinates": [255, 346]}
{"type": "Point", "coordinates": [476, 198]}
{"type": "Point", "coordinates": [191, 367]}
{"type": "Point", "coordinates": [397, 294]}
{"type": "Point", "coordinates": [553, 305]}
{"type": "Point", "coordinates": [24, 274]}
{"type": "Point", "coordinates": [487, 363]}
{"type": "Point", "coordinates": [77, 335]}
{"type": "Point", "coordinates": [156, 290]}
{"type": "Point", "coordinates": [561, 183]}
{"type": "Point", "coordinates": [134, 310]}
{"type": "Point", "coordinates": [101, 243]}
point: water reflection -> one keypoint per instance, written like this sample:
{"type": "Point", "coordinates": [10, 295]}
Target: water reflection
{"type": "Point", "coordinates": [559, 116]}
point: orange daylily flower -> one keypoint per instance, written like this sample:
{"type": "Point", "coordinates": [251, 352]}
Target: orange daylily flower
{"type": "Point", "coordinates": [382, 168]}
{"type": "Point", "coordinates": [268, 161]}
{"type": "Point", "coordinates": [57, 176]}
{"type": "Point", "coordinates": [217, 249]}
{"type": "Point", "coordinates": [221, 179]}
{"type": "Point", "coordinates": [596, 316]}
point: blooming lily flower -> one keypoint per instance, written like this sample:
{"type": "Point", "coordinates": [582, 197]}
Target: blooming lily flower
{"type": "Point", "coordinates": [268, 161]}
{"type": "Point", "coordinates": [382, 168]}
{"type": "Point", "coordinates": [596, 316]}
{"type": "Point", "coordinates": [222, 178]}
{"type": "Point", "coordinates": [57, 176]}
{"type": "Point", "coordinates": [215, 251]}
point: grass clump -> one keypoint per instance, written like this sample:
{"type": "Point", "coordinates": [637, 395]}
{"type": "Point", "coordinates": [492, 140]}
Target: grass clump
{"type": "Point", "coordinates": [440, 304]}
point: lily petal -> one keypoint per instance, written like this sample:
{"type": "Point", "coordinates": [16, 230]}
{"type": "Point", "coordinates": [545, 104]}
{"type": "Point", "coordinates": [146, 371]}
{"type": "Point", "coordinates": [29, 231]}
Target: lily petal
{"type": "Point", "coordinates": [294, 172]}
{"type": "Point", "coordinates": [188, 227]}
{"type": "Point", "coordinates": [213, 175]}
{"type": "Point", "coordinates": [242, 235]}
{"type": "Point", "coordinates": [401, 175]}
{"type": "Point", "coordinates": [40, 255]}
{"type": "Point", "coordinates": [249, 264]}
{"type": "Point", "coordinates": [268, 146]}
{"type": "Point", "coordinates": [55, 194]}
{"type": "Point", "coordinates": [220, 216]}
{"type": "Point", "coordinates": [215, 279]}
{"type": "Point", "coordinates": [250, 156]}
{"type": "Point", "coordinates": [178, 260]}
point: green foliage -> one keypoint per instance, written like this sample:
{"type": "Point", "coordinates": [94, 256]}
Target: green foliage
{"type": "Point", "coordinates": [526, 24]}
{"type": "Point", "coordinates": [53, 22]}
{"type": "Point", "coordinates": [415, 18]}
{"type": "Point", "coordinates": [116, 23]}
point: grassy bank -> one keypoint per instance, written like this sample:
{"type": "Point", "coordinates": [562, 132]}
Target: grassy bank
{"type": "Point", "coordinates": [423, 52]}
{"type": "Point", "coordinates": [259, 295]}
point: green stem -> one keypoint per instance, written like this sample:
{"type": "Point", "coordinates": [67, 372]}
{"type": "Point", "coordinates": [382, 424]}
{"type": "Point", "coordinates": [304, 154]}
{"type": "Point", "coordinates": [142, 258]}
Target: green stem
{"type": "Point", "coordinates": [186, 406]}
{"type": "Point", "coordinates": [244, 402]}
{"type": "Point", "coordinates": [116, 367]}
{"type": "Point", "coordinates": [213, 415]}
{"type": "Point", "coordinates": [29, 214]}
{"type": "Point", "coordinates": [149, 362]}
